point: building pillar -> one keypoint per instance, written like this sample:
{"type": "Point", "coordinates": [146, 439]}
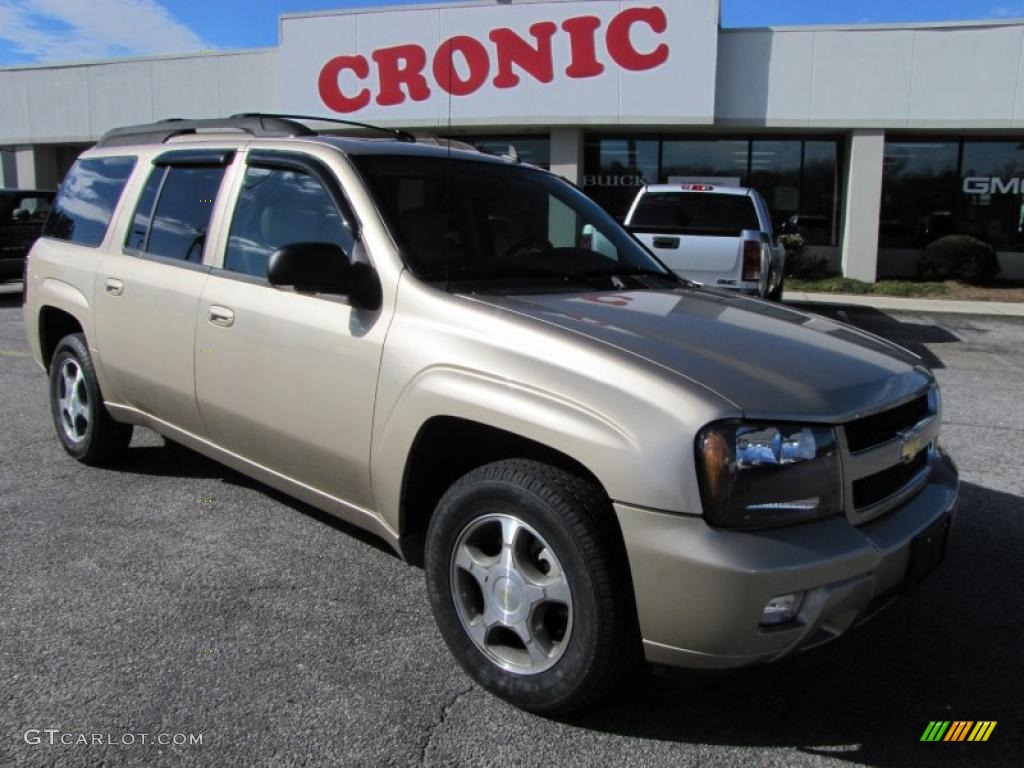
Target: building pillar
{"type": "Point", "coordinates": [36, 168]}
{"type": "Point", "coordinates": [863, 195]}
{"type": "Point", "coordinates": [567, 153]}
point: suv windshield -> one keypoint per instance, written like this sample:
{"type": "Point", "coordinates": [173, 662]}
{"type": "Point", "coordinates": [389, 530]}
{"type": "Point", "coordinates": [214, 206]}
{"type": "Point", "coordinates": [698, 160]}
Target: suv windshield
{"type": "Point", "coordinates": [695, 213]}
{"type": "Point", "coordinates": [459, 220]}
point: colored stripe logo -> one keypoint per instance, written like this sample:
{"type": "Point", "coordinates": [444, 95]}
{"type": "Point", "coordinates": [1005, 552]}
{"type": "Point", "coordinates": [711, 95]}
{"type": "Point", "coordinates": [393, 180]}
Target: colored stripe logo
{"type": "Point", "coordinates": [959, 730]}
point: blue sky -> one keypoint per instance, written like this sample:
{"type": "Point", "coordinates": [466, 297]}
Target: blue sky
{"type": "Point", "coordinates": [34, 31]}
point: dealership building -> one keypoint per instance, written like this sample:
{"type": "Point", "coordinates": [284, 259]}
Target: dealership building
{"type": "Point", "coordinates": [870, 140]}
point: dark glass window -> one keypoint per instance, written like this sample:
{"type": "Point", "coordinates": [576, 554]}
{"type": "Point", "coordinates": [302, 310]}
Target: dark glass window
{"type": "Point", "coordinates": [277, 207]}
{"type": "Point", "coordinates": [697, 213]}
{"type": "Point", "coordinates": [993, 201]}
{"type": "Point", "coordinates": [616, 168]}
{"type": "Point", "coordinates": [920, 190]}
{"type": "Point", "coordinates": [818, 219]}
{"type": "Point", "coordinates": [719, 161]}
{"type": "Point", "coordinates": [933, 188]}
{"type": "Point", "coordinates": [174, 211]}
{"type": "Point", "coordinates": [798, 178]}
{"type": "Point", "coordinates": [87, 199]}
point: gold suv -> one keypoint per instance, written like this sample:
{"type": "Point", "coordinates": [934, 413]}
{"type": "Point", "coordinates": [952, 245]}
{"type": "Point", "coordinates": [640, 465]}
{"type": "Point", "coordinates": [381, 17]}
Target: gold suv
{"type": "Point", "coordinates": [596, 461]}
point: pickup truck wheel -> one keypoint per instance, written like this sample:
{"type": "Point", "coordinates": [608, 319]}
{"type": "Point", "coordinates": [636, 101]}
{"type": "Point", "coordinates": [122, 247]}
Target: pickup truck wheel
{"type": "Point", "coordinates": [85, 428]}
{"type": "Point", "coordinates": [525, 587]}
{"type": "Point", "coordinates": [776, 295]}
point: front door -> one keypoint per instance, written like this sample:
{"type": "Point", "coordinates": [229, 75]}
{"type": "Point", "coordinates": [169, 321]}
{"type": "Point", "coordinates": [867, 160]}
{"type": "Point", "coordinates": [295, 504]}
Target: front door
{"type": "Point", "coordinates": [284, 379]}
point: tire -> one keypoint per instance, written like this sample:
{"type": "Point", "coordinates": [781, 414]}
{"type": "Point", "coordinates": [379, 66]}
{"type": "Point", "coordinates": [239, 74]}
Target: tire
{"type": "Point", "coordinates": [84, 426]}
{"type": "Point", "coordinates": [583, 632]}
{"type": "Point", "coordinates": [776, 295]}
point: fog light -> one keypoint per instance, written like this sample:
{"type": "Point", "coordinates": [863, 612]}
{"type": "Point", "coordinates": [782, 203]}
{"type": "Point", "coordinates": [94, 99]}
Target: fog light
{"type": "Point", "coordinates": [781, 609]}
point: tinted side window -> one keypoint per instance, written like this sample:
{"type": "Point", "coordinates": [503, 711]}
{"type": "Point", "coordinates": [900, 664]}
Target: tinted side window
{"type": "Point", "coordinates": [277, 207]}
{"type": "Point", "coordinates": [697, 213]}
{"type": "Point", "coordinates": [87, 198]}
{"type": "Point", "coordinates": [174, 211]}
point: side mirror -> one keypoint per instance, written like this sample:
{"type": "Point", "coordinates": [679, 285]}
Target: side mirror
{"type": "Point", "coordinates": [21, 214]}
{"type": "Point", "coordinates": [324, 268]}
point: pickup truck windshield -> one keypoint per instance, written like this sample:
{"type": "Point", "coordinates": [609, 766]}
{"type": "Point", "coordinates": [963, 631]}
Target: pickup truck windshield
{"type": "Point", "coordinates": [695, 213]}
{"type": "Point", "coordinates": [458, 220]}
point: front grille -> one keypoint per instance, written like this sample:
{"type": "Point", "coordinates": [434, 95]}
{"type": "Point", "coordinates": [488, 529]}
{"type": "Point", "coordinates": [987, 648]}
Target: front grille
{"type": "Point", "coordinates": [885, 426]}
{"type": "Point", "coordinates": [875, 488]}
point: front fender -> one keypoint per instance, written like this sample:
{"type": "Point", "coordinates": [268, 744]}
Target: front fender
{"type": "Point", "coordinates": [606, 448]}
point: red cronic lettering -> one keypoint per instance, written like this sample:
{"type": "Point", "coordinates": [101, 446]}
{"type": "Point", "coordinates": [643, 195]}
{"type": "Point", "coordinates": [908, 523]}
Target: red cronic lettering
{"type": "Point", "coordinates": [330, 89]}
{"type": "Point", "coordinates": [620, 43]}
{"type": "Point", "coordinates": [512, 49]}
{"type": "Point", "coordinates": [477, 61]}
{"type": "Point", "coordinates": [397, 66]}
{"type": "Point", "coordinates": [584, 61]}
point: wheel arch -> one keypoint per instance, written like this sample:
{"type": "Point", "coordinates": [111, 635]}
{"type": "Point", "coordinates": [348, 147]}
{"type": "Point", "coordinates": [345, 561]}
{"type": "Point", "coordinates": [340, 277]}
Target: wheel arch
{"type": "Point", "coordinates": [447, 447]}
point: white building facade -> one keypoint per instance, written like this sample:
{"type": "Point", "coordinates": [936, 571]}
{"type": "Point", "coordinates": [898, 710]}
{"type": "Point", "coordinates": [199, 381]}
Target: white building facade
{"type": "Point", "coordinates": [869, 140]}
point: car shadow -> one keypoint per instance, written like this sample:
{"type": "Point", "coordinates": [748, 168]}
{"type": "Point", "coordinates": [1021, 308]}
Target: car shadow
{"type": "Point", "coordinates": [949, 652]}
{"type": "Point", "coordinates": [911, 335]}
{"type": "Point", "coordinates": [176, 461]}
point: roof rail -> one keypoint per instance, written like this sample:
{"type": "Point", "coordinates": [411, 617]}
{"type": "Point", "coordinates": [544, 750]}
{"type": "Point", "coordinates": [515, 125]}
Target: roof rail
{"type": "Point", "coordinates": [398, 133]}
{"type": "Point", "coordinates": [261, 126]}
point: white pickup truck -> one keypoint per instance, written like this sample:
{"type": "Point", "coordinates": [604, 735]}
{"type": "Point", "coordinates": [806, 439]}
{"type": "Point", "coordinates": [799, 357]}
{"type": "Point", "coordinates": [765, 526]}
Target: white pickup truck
{"type": "Point", "coordinates": [715, 235]}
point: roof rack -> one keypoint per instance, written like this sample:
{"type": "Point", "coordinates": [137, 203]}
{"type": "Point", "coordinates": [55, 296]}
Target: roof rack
{"type": "Point", "coordinates": [257, 125]}
{"type": "Point", "coordinates": [398, 133]}
{"type": "Point", "coordinates": [157, 133]}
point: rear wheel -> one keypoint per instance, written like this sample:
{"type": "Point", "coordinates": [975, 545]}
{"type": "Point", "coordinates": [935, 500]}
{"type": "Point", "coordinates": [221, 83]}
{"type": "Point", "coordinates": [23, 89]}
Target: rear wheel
{"type": "Point", "coordinates": [776, 295]}
{"type": "Point", "coordinates": [527, 587]}
{"type": "Point", "coordinates": [84, 426]}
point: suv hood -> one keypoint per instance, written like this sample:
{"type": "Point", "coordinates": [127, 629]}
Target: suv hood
{"type": "Point", "coordinates": [767, 360]}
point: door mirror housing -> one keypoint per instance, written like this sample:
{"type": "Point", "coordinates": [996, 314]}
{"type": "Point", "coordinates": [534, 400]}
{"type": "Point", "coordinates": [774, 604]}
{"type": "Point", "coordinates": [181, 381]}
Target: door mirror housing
{"type": "Point", "coordinates": [21, 214]}
{"type": "Point", "coordinates": [324, 268]}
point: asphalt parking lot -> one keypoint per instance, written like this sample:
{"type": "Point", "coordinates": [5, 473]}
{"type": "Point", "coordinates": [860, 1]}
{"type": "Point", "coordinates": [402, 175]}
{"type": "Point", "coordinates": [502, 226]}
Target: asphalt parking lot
{"type": "Point", "coordinates": [175, 596]}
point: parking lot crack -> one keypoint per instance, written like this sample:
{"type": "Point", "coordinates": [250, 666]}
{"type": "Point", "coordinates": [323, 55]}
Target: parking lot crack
{"type": "Point", "coordinates": [445, 711]}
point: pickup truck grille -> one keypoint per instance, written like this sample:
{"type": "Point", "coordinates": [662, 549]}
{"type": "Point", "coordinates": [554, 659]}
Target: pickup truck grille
{"type": "Point", "coordinates": [885, 426]}
{"type": "Point", "coordinates": [875, 488]}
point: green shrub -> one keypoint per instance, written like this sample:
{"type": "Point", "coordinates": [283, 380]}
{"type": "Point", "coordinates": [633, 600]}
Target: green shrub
{"type": "Point", "coordinates": [958, 257]}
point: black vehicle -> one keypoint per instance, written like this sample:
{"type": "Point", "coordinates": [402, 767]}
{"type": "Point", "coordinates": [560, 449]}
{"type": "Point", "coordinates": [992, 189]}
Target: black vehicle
{"type": "Point", "coordinates": [22, 215]}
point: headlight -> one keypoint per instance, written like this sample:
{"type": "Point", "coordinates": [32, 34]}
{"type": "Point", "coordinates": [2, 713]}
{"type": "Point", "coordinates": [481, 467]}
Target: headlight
{"type": "Point", "coordinates": [764, 475]}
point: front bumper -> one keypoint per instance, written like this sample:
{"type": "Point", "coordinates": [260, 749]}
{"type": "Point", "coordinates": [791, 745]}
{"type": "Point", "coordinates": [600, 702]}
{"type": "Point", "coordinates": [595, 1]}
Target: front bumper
{"type": "Point", "coordinates": [700, 591]}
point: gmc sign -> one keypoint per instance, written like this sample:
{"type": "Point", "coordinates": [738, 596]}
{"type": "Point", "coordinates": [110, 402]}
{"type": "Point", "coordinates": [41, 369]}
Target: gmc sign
{"type": "Point", "coordinates": [556, 62]}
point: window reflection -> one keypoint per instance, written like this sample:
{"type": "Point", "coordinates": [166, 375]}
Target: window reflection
{"type": "Point", "coordinates": [798, 178]}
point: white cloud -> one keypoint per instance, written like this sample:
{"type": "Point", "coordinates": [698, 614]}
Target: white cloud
{"type": "Point", "coordinates": [71, 30]}
{"type": "Point", "coordinates": [1007, 12]}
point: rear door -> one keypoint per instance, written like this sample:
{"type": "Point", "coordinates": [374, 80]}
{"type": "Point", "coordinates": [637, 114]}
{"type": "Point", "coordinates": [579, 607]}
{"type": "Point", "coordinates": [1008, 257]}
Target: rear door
{"type": "Point", "coordinates": [148, 289]}
{"type": "Point", "coordinates": [697, 234]}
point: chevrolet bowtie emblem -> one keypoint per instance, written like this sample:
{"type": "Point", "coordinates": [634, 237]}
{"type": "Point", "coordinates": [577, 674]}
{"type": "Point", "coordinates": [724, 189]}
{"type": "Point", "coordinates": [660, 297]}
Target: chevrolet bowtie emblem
{"type": "Point", "coordinates": [912, 445]}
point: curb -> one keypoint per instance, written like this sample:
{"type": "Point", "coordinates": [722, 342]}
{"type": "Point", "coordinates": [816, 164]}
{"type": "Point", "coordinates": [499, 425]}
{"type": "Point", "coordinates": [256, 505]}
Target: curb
{"type": "Point", "coordinates": [940, 306]}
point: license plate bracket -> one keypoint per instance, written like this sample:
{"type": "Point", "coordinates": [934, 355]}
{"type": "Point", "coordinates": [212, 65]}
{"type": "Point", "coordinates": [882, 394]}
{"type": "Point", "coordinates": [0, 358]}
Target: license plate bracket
{"type": "Point", "coordinates": [927, 552]}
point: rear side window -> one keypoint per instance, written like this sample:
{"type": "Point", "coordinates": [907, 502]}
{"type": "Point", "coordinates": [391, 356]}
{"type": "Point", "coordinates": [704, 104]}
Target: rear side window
{"type": "Point", "coordinates": [174, 210]}
{"type": "Point", "coordinates": [87, 199]}
{"type": "Point", "coordinates": [697, 213]}
{"type": "Point", "coordinates": [277, 207]}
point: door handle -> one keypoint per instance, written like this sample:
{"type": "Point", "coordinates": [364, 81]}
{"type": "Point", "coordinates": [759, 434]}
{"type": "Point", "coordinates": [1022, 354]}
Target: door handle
{"type": "Point", "coordinates": [221, 316]}
{"type": "Point", "coordinates": [114, 286]}
{"type": "Point", "coordinates": [668, 243]}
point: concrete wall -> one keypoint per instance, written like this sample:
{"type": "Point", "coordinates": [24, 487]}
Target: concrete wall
{"type": "Point", "coordinates": [922, 77]}
{"type": "Point", "coordinates": [80, 102]}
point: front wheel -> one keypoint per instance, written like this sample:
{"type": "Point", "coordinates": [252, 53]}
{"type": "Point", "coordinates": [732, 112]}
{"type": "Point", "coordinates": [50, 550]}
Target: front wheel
{"type": "Point", "coordinates": [85, 428]}
{"type": "Point", "coordinates": [529, 587]}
